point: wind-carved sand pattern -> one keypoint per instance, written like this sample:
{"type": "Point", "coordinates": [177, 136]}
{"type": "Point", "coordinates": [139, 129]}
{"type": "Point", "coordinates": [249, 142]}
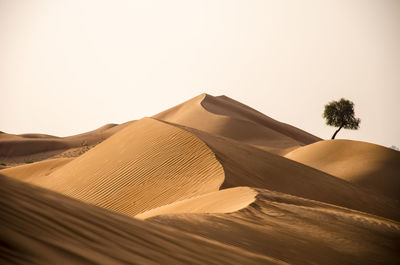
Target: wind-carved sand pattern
{"type": "Point", "coordinates": [223, 201]}
{"type": "Point", "coordinates": [297, 231]}
{"type": "Point", "coordinates": [210, 181]}
{"type": "Point", "coordinates": [146, 165]}
{"type": "Point", "coordinates": [43, 227]}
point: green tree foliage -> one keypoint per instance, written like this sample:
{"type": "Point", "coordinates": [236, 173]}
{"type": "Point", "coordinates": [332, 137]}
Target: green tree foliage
{"type": "Point", "coordinates": [341, 114]}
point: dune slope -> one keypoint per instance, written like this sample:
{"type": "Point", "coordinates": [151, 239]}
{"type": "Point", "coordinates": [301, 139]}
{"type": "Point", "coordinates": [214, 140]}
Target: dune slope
{"type": "Point", "coordinates": [245, 165]}
{"type": "Point", "coordinates": [297, 231]}
{"type": "Point", "coordinates": [226, 117]}
{"type": "Point", "coordinates": [30, 172]}
{"type": "Point", "coordinates": [372, 166]}
{"type": "Point", "coordinates": [43, 227]}
{"type": "Point", "coordinates": [222, 201]}
{"type": "Point", "coordinates": [146, 165]}
{"type": "Point", "coordinates": [223, 105]}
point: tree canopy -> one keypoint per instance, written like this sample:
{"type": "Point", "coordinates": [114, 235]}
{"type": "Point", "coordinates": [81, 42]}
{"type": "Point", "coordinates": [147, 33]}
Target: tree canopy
{"type": "Point", "coordinates": [341, 114]}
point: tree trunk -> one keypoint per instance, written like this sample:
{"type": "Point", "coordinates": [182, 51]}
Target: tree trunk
{"type": "Point", "coordinates": [334, 135]}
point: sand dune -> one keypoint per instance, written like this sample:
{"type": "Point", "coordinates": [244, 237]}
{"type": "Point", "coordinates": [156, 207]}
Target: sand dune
{"type": "Point", "coordinates": [146, 165]}
{"type": "Point", "coordinates": [43, 227]}
{"type": "Point", "coordinates": [223, 201]}
{"type": "Point", "coordinates": [138, 161]}
{"type": "Point", "coordinates": [372, 166]}
{"type": "Point", "coordinates": [223, 105]}
{"type": "Point", "coordinates": [16, 149]}
{"type": "Point", "coordinates": [245, 165]}
{"type": "Point", "coordinates": [226, 117]}
{"type": "Point", "coordinates": [209, 180]}
{"type": "Point", "coordinates": [297, 231]}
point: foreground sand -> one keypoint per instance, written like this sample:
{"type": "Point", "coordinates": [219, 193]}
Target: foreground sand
{"type": "Point", "coordinates": [210, 181]}
{"type": "Point", "coordinates": [43, 227]}
{"type": "Point", "coordinates": [297, 231]}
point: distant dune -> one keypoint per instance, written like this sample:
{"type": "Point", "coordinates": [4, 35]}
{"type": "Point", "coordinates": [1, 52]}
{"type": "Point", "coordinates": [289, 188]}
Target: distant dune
{"type": "Point", "coordinates": [225, 117]}
{"type": "Point", "coordinates": [210, 181]}
{"type": "Point", "coordinates": [16, 149]}
{"type": "Point", "coordinates": [372, 166]}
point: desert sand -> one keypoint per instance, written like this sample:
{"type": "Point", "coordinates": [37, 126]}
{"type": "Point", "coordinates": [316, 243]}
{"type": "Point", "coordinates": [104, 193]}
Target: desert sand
{"type": "Point", "coordinates": [210, 181]}
{"type": "Point", "coordinates": [32, 171]}
{"type": "Point", "coordinates": [226, 117]}
{"type": "Point", "coordinates": [357, 162]}
{"type": "Point", "coordinates": [19, 149]}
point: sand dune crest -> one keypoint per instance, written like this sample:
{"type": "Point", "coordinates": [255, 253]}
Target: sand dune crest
{"type": "Point", "coordinates": [225, 117]}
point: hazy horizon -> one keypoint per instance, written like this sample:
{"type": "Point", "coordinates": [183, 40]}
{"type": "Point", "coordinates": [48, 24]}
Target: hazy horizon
{"type": "Point", "coordinates": [67, 67]}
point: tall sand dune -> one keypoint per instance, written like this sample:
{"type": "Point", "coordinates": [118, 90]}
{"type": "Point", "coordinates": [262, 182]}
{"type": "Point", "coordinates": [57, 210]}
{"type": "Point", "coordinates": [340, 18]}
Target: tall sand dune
{"type": "Point", "coordinates": [223, 105]}
{"type": "Point", "coordinates": [372, 166]}
{"type": "Point", "coordinates": [297, 231]}
{"type": "Point", "coordinates": [43, 227]}
{"type": "Point", "coordinates": [226, 117]}
{"type": "Point", "coordinates": [146, 165]}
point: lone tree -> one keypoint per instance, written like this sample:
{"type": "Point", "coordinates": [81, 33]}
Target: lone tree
{"type": "Point", "coordinates": [341, 114]}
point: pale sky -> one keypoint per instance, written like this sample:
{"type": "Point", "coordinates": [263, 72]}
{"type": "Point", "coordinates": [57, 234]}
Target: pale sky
{"type": "Point", "coordinates": [67, 67]}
